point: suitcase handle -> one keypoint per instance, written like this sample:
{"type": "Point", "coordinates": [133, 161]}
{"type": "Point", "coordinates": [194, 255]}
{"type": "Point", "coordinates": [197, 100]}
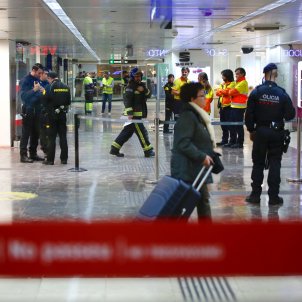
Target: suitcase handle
{"type": "Point", "coordinates": [203, 179]}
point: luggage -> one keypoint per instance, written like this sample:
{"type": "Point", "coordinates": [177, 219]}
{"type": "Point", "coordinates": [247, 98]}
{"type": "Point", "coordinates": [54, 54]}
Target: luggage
{"type": "Point", "coordinates": [173, 198]}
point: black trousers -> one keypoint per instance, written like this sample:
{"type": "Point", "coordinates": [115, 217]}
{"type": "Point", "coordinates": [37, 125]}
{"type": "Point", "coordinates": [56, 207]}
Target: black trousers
{"type": "Point", "coordinates": [268, 142]}
{"type": "Point", "coordinates": [237, 132]}
{"type": "Point", "coordinates": [57, 126]}
{"type": "Point", "coordinates": [168, 115]}
{"type": "Point", "coordinates": [30, 133]}
{"type": "Point", "coordinates": [225, 116]}
{"type": "Point", "coordinates": [128, 130]}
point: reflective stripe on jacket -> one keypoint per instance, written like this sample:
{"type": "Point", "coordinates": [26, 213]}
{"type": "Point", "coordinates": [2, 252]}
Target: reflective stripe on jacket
{"type": "Point", "coordinates": [239, 94]}
{"type": "Point", "coordinates": [108, 89]}
{"type": "Point", "coordinates": [223, 93]}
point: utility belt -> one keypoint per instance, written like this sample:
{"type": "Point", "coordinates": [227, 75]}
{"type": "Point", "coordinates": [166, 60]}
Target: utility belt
{"type": "Point", "coordinates": [277, 126]}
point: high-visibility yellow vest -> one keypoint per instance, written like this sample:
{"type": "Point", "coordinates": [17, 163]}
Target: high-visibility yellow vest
{"type": "Point", "coordinates": [223, 93]}
{"type": "Point", "coordinates": [108, 82]}
{"type": "Point", "coordinates": [239, 94]}
{"type": "Point", "coordinates": [178, 83]}
{"type": "Point", "coordinates": [208, 101]}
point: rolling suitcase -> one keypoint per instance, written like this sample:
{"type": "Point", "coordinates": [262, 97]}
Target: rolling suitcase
{"type": "Point", "coordinates": [173, 198]}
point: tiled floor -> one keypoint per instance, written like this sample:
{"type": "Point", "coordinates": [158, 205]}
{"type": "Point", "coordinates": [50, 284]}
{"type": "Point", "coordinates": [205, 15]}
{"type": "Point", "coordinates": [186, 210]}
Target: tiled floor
{"type": "Point", "coordinates": [116, 187]}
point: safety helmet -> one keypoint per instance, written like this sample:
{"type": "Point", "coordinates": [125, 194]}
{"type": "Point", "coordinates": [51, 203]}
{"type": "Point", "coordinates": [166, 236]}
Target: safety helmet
{"type": "Point", "coordinates": [134, 71]}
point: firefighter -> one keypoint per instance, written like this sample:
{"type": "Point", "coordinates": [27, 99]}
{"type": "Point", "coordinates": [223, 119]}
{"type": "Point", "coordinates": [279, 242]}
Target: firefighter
{"type": "Point", "coordinates": [89, 93]}
{"type": "Point", "coordinates": [55, 104]}
{"type": "Point", "coordinates": [267, 107]}
{"type": "Point", "coordinates": [135, 98]}
{"type": "Point", "coordinates": [169, 99]}
{"type": "Point", "coordinates": [224, 105]}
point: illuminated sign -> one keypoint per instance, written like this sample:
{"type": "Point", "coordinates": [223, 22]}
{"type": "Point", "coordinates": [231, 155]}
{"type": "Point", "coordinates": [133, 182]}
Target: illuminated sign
{"type": "Point", "coordinates": [216, 52]}
{"type": "Point", "coordinates": [293, 53]}
{"type": "Point", "coordinates": [299, 104]}
{"type": "Point", "coordinates": [44, 50]}
{"type": "Point", "coordinates": [157, 52]}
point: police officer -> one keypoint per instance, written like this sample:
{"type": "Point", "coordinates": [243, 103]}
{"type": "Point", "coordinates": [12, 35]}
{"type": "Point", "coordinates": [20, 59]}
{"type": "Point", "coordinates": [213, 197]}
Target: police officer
{"type": "Point", "coordinates": [31, 91]}
{"type": "Point", "coordinates": [267, 108]}
{"type": "Point", "coordinates": [135, 98]}
{"type": "Point", "coordinates": [169, 99]}
{"type": "Point", "coordinates": [55, 103]}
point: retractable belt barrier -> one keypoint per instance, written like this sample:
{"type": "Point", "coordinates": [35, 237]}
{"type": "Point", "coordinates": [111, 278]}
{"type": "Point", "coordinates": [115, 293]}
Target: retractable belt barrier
{"type": "Point", "coordinates": [161, 249]}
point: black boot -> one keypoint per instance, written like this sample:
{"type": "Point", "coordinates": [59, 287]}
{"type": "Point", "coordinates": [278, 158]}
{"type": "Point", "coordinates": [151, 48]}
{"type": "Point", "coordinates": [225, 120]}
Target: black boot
{"type": "Point", "coordinates": [116, 152]}
{"type": "Point", "coordinates": [25, 159]}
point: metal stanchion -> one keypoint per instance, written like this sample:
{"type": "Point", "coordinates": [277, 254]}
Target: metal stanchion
{"type": "Point", "coordinates": [76, 145]}
{"type": "Point", "coordinates": [297, 179]}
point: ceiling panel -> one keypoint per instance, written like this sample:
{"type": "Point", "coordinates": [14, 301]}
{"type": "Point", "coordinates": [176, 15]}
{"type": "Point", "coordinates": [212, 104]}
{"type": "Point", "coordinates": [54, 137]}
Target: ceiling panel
{"type": "Point", "coordinates": [110, 25]}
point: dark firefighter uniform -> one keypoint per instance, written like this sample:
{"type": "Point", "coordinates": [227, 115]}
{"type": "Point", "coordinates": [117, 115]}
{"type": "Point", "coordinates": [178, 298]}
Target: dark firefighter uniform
{"type": "Point", "coordinates": [55, 104]}
{"type": "Point", "coordinates": [267, 108]}
{"type": "Point", "coordinates": [169, 99]}
{"type": "Point", "coordinates": [135, 106]}
{"type": "Point", "coordinates": [89, 93]}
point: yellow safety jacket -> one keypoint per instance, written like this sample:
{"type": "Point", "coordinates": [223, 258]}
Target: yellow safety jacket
{"type": "Point", "coordinates": [223, 93]}
{"type": "Point", "coordinates": [178, 83]}
{"type": "Point", "coordinates": [239, 94]}
{"type": "Point", "coordinates": [208, 101]}
{"type": "Point", "coordinates": [107, 84]}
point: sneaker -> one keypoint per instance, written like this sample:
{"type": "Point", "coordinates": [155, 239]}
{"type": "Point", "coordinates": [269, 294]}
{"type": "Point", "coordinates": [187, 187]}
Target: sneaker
{"type": "Point", "coordinates": [253, 199]}
{"type": "Point", "coordinates": [150, 153]}
{"type": "Point", "coordinates": [275, 201]}
{"type": "Point", "coordinates": [221, 143]}
{"type": "Point", "coordinates": [25, 159]}
{"type": "Point", "coordinates": [49, 163]}
{"type": "Point", "coordinates": [228, 145]}
{"type": "Point", "coordinates": [116, 153]}
{"type": "Point", "coordinates": [63, 162]}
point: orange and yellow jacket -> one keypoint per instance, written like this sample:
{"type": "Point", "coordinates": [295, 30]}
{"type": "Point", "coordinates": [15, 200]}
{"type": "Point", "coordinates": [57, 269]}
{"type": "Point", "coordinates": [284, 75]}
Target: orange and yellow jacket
{"type": "Point", "coordinates": [223, 92]}
{"type": "Point", "coordinates": [239, 94]}
{"type": "Point", "coordinates": [209, 98]}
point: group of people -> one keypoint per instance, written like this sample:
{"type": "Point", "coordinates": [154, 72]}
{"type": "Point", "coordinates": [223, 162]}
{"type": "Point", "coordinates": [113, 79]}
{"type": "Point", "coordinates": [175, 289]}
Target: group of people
{"type": "Point", "coordinates": [45, 100]}
{"type": "Point", "coordinates": [264, 112]}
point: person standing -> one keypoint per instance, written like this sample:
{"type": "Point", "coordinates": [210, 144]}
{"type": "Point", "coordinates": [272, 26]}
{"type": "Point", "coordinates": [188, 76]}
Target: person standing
{"type": "Point", "coordinates": [125, 80]}
{"type": "Point", "coordinates": [209, 94]}
{"type": "Point", "coordinates": [169, 98]}
{"type": "Point", "coordinates": [31, 91]}
{"type": "Point", "coordinates": [56, 100]}
{"type": "Point", "coordinates": [224, 105]}
{"type": "Point", "coordinates": [178, 83]}
{"type": "Point", "coordinates": [107, 84]}
{"type": "Point", "coordinates": [194, 140]}
{"type": "Point", "coordinates": [89, 93]}
{"type": "Point", "coordinates": [43, 135]}
{"type": "Point", "coordinates": [239, 95]}
{"type": "Point", "coordinates": [267, 107]}
{"type": "Point", "coordinates": [135, 98]}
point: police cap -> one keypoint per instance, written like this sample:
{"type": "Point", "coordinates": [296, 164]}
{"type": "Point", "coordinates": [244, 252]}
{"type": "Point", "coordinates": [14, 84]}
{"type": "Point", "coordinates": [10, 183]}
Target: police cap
{"type": "Point", "coordinates": [52, 75]}
{"type": "Point", "coordinates": [133, 72]}
{"type": "Point", "coordinates": [269, 67]}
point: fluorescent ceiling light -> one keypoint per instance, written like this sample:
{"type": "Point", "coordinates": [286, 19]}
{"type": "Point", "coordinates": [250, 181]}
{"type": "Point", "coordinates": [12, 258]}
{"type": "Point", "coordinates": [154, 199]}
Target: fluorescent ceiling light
{"type": "Point", "coordinates": [56, 8]}
{"type": "Point", "coordinates": [249, 16]}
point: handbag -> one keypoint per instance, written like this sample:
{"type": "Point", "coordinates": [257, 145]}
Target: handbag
{"type": "Point", "coordinates": [218, 165]}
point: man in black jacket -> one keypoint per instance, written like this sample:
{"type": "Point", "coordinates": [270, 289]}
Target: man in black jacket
{"type": "Point", "coordinates": [55, 104]}
{"type": "Point", "coordinates": [31, 91]}
{"type": "Point", "coordinates": [169, 99]}
{"type": "Point", "coordinates": [267, 108]}
{"type": "Point", "coordinates": [135, 98]}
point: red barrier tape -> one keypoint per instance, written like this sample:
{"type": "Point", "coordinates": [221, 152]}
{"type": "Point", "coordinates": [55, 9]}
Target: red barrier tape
{"type": "Point", "coordinates": [150, 249]}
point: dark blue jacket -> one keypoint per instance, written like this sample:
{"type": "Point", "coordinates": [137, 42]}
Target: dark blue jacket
{"type": "Point", "coordinates": [30, 98]}
{"type": "Point", "coordinates": [268, 103]}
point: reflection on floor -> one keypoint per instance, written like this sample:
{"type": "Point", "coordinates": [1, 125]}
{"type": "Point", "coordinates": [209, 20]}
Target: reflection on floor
{"type": "Point", "coordinates": [115, 188]}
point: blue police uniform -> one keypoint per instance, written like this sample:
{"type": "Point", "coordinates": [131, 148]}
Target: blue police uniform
{"type": "Point", "coordinates": [267, 108]}
{"type": "Point", "coordinates": [31, 108]}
